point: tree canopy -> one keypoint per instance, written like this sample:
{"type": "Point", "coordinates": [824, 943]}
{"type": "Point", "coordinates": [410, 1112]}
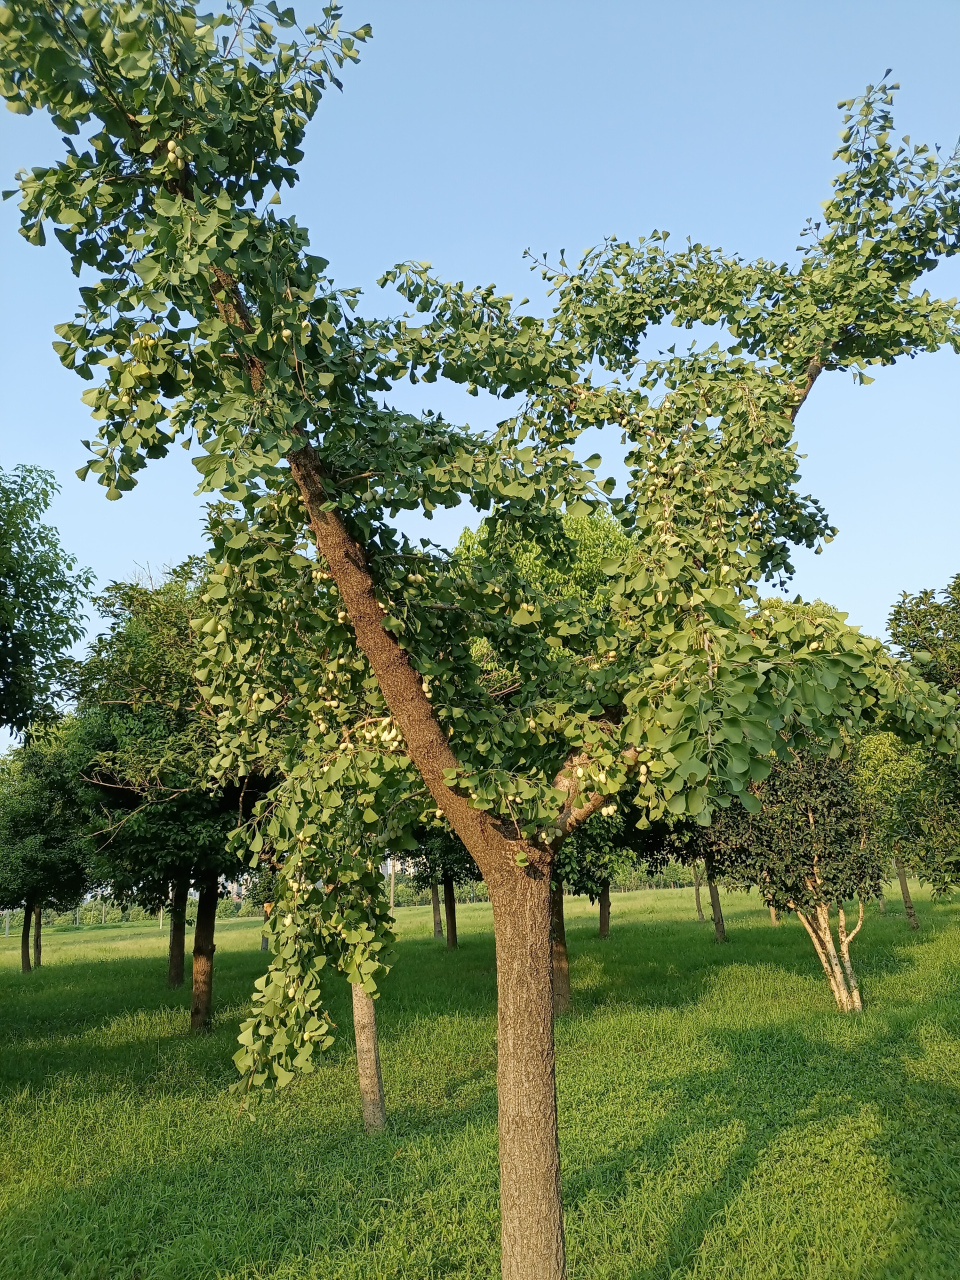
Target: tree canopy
{"type": "Point", "coordinates": [208, 319]}
{"type": "Point", "coordinates": [42, 594]}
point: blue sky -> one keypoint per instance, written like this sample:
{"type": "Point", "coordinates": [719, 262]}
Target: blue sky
{"type": "Point", "coordinates": [471, 131]}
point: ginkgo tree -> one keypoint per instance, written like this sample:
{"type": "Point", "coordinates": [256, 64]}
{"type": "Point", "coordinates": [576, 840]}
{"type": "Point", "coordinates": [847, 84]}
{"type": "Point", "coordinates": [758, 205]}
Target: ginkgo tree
{"type": "Point", "coordinates": [204, 318]}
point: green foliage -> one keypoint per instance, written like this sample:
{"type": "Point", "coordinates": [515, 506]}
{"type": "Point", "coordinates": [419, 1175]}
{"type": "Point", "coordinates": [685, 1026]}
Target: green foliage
{"type": "Point", "coordinates": [41, 600]}
{"type": "Point", "coordinates": [44, 852]}
{"type": "Point", "coordinates": [926, 628]}
{"type": "Point", "coordinates": [148, 736]}
{"type": "Point", "coordinates": [207, 319]}
{"type": "Point", "coordinates": [440, 853]}
{"type": "Point", "coordinates": [608, 846]}
{"type": "Point", "coordinates": [913, 800]}
{"type": "Point", "coordinates": [807, 843]}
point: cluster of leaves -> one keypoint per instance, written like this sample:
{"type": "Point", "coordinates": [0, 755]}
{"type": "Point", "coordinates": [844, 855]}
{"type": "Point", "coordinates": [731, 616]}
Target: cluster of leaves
{"type": "Point", "coordinates": [41, 601]}
{"type": "Point", "coordinates": [209, 320]}
{"type": "Point", "coordinates": [912, 797]}
{"type": "Point", "coordinates": [45, 857]}
{"type": "Point", "coordinates": [808, 843]}
{"type": "Point", "coordinates": [441, 855]}
{"type": "Point", "coordinates": [147, 736]}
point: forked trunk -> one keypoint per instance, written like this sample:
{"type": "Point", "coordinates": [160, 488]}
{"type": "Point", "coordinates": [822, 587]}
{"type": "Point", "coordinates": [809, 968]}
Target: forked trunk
{"type": "Point", "coordinates": [25, 938]}
{"type": "Point", "coordinates": [368, 1060]}
{"type": "Point", "coordinates": [264, 939]}
{"type": "Point", "coordinates": [37, 936]}
{"type": "Point", "coordinates": [203, 949]}
{"type": "Point", "coordinates": [531, 1219]}
{"type": "Point", "coordinates": [839, 971]}
{"type": "Point", "coordinates": [774, 918]}
{"type": "Point", "coordinates": [558, 949]}
{"type": "Point", "coordinates": [696, 892]}
{"type": "Point", "coordinates": [720, 933]}
{"type": "Point", "coordinates": [178, 932]}
{"type": "Point", "coordinates": [605, 909]}
{"type": "Point", "coordinates": [905, 894]}
{"type": "Point", "coordinates": [437, 918]}
{"type": "Point", "coordinates": [450, 911]}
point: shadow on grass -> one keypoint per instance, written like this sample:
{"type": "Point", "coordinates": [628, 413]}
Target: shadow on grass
{"type": "Point", "coordinates": [682, 1118]}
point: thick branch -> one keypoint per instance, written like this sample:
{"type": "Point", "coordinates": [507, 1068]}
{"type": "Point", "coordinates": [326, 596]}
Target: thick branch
{"type": "Point", "coordinates": [402, 687]}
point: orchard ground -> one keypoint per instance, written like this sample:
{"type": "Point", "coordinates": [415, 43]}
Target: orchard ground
{"type": "Point", "coordinates": [718, 1117]}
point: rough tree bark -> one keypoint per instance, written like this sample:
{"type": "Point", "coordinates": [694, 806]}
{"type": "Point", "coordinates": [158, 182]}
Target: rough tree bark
{"type": "Point", "coordinates": [905, 893]}
{"type": "Point", "coordinates": [720, 933]}
{"type": "Point", "coordinates": [25, 938]}
{"type": "Point", "coordinates": [37, 937]}
{"type": "Point", "coordinates": [437, 918]}
{"type": "Point", "coordinates": [530, 1212]}
{"type": "Point", "coordinates": [696, 891]}
{"type": "Point", "coordinates": [450, 911]}
{"type": "Point", "coordinates": [774, 918]}
{"type": "Point", "coordinates": [203, 949]}
{"type": "Point", "coordinates": [605, 909]}
{"type": "Point", "coordinates": [558, 950]}
{"type": "Point", "coordinates": [178, 931]}
{"type": "Point", "coordinates": [368, 1060]}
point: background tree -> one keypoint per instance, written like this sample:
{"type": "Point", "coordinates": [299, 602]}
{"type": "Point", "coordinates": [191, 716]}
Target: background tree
{"type": "Point", "coordinates": [912, 796]}
{"type": "Point", "coordinates": [441, 859]}
{"type": "Point", "coordinates": [808, 850]}
{"type": "Point", "coordinates": [209, 319]}
{"type": "Point", "coordinates": [44, 850]}
{"type": "Point", "coordinates": [262, 891]}
{"type": "Point", "coordinates": [926, 629]}
{"type": "Point", "coordinates": [41, 600]}
{"type": "Point", "coordinates": [149, 737]}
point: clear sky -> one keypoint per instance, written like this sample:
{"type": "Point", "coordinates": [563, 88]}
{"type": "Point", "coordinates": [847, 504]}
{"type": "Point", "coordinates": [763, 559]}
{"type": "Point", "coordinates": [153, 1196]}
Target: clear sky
{"type": "Point", "coordinates": [471, 131]}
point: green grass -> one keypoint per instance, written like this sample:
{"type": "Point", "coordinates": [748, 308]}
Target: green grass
{"type": "Point", "coordinates": [718, 1119]}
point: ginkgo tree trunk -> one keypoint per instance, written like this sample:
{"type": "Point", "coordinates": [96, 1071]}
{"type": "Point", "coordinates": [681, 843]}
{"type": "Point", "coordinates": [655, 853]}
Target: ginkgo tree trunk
{"type": "Point", "coordinates": [204, 317]}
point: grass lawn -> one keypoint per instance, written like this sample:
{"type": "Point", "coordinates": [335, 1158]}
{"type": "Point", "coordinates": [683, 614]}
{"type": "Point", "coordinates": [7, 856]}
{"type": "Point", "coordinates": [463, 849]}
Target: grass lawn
{"type": "Point", "coordinates": [718, 1118]}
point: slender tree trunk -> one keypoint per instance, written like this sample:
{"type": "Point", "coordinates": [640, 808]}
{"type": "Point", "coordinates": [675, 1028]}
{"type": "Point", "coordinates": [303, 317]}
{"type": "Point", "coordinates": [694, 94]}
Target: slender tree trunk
{"type": "Point", "coordinates": [882, 902]}
{"type": "Point", "coordinates": [696, 890]}
{"type": "Point", "coordinates": [368, 1060]}
{"type": "Point", "coordinates": [905, 893]}
{"type": "Point", "coordinates": [774, 918]}
{"type": "Point", "coordinates": [531, 1218]}
{"type": "Point", "coordinates": [558, 949]}
{"type": "Point", "coordinates": [37, 938]}
{"type": "Point", "coordinates": [437, 918]}
{"type": "Point", "coordinates": [605, 909]}
{"type": "Point", "coordinates": [393, 879]}
{"type": "Point", "coordinates": [178, 932]}
{"type": "Point", "coordinates": [103, 912]}
{"type": "Point", "coordinates": [203, 949]}
{"type": "Point", "coordinates": [450, 911]}
{"type": "Point", "coordinates": [853, 986]}
{"type": "Point", "coordinates": [264, 940]}
{"type": "Point", "coordinates": [719, 931]}
{"type": "Point", "coordinates": [25, 938]}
